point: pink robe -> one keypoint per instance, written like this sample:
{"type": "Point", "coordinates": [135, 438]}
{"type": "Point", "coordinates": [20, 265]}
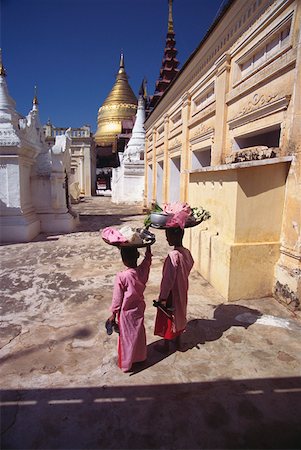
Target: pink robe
{"type": "Point", "coordinates": [174, 289]}
{"type": "Point", "coordinates": [128, 302]}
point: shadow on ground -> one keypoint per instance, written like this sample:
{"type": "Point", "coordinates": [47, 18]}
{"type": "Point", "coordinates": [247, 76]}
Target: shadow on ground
{"type": "Point", "coordinates": [225, 414]}
{"type": "Point", "coordinates": [91, 223]}
{"type": "Point", "coordinates": [96, 222]}
{"type": "Point", "coordinates": [198, 332]}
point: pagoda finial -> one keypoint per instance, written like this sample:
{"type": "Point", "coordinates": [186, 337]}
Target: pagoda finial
{"type": "Point", "coordinates": [121, 64]}
{"type": "Point", "coordinates": [35, 98]}
{"type": "Point", "coordinates": [170, 21]}
{"type": "Point", "coordinates": [2, 70]}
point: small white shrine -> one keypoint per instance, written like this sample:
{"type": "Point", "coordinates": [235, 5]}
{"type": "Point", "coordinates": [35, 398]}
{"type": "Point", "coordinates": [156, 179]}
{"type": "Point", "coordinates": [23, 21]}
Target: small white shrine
{"type": "Point", "coordinates": [128, 179]}
{"type": "Point", "coordinates": [33, 177]}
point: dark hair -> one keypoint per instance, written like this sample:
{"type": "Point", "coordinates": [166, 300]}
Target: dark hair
{"type": "Point", "coordinates": [176, 232]}
{"type": "Point", "coordinates": [129, 253]}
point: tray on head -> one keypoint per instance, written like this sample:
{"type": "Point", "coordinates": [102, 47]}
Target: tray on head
{"type": "Point", "coordinates": [188, 224]}
{"type": "Point", "coordinates": [129, 244]}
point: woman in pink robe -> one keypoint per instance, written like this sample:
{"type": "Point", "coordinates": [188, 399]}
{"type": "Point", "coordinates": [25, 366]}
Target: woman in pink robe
{"type": "Point", "coordinates": [174, 289]}
{"type": "Point", "coordinates": [128, 305]}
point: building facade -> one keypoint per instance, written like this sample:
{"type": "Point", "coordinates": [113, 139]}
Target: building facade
{"type": "Point", "coordinates": [83, 158]}
{"type": "Point", "coordinates": [226, 136]}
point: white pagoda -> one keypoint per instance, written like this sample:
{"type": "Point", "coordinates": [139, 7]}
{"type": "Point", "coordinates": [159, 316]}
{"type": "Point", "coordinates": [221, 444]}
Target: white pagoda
{"type": "Point", "coordinates": [128, 179]}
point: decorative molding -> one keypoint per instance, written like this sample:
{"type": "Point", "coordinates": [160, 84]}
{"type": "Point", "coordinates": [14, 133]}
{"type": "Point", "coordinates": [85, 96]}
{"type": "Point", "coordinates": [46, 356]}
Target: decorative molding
{"type": "Point", "coordinates": [160, 152]}
{"type": "Point", "coordinates": [262, 75]}
{"type": "Point", "coordinates": [176, 149]}
{"type": "Point", "coordinates": [186, 99]}
{"type": "Point", "coordinates": [175, 142]}
{"type": "Point", "coordinates": [290, 253]}
{"type": "Point", "coordinates": [223, 63]}
{"type": "Point", "coordinates": [259, 106]}
{"type": "Point", "coordinates": [201, 134]}
{"type": "Point", "coordinates": [117, 106]}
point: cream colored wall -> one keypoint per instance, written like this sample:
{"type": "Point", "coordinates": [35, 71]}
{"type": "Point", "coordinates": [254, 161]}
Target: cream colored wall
{"type": "Point", "coordinates": [260, 200]}
{"type": "Point", "coordinates": [237, 248]}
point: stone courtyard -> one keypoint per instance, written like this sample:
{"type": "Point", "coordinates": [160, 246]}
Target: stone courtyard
{"type": "Point", "coordinates": [234, 384]}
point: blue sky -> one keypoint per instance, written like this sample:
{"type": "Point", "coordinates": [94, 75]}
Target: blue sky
{"type": "Point", "coordinates": [71, 48]}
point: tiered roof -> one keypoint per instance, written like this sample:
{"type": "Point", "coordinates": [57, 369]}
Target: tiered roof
{"type": "Point", "coordinates": [169, 68]}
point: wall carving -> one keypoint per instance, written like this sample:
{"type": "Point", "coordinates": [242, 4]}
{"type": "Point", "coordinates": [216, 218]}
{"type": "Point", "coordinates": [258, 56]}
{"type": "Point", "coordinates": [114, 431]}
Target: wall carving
{"type": "Point", "coordinates": [256, 102]}
{"type": "Point", "coordinates": [259, 106]}
{"type": "Point", "coordinates": [175, 142]}
{"type": "Point", "coordinates": [201, 130]}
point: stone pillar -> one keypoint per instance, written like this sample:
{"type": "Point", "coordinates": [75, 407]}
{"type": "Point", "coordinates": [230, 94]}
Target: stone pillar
{"type": "Point", "coordinates": [81, 173]}
{"type": "Point", "coordinates": [145, 202]}
{"type": "Point", "coordinates": [154, 162]}
{"type": "Point", "coordinates": [287, 286]}
{"type": "Point", "coordinates": [221, 90]}
{"type": "Point", "coordinates": [165, 160]}
{"type": "Point", "coordinates": [184, 177]}
{"type": "Point", "coordinates": [87, 171]}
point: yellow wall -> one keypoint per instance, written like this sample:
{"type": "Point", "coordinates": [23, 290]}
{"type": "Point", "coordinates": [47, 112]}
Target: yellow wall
{"type": "Point", "coordinates": [237, 248]}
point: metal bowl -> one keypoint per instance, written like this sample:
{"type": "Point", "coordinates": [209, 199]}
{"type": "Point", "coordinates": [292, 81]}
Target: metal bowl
{"type": "Point", "coordinates": [159, 219]}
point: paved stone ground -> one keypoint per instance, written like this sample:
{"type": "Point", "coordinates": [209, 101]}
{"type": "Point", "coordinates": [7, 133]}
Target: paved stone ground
{"type": "Point", "coordinates": [235, 383]}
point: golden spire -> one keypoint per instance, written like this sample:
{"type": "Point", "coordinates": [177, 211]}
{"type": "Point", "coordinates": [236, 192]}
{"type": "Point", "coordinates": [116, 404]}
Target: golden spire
{"type": "Point", "coordinates": [35, 98]}
{"type": "Point", "coordinates": [170, 21]}
{"type": "Point", "coordinates": [2, 70]}
{"type": "Point", "coordinates": [120, 104]}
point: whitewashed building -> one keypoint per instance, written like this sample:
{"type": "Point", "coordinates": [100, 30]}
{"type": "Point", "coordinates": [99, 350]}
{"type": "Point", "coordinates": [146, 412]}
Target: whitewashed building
{"type": "Point", "coordinates": [33, 177]}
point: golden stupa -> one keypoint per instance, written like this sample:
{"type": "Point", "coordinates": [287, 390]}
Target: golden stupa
{"type": "Point", "coordinates": [120, 104]}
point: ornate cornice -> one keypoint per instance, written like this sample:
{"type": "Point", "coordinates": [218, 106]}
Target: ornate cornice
{"type": "Point", "coordinates": [186, 99]}
{"type": "Point", "coordinates": [201, 131]}
{"type": "Point", "coordinates": [259, 106]}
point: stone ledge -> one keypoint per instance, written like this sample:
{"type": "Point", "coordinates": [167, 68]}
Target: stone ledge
{"type": "Point", "coordinates": [242, 165]}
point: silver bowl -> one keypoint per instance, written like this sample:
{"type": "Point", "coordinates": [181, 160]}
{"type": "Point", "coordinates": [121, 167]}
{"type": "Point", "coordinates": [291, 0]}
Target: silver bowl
{"type": "Point", "coordinates": [159, 219]}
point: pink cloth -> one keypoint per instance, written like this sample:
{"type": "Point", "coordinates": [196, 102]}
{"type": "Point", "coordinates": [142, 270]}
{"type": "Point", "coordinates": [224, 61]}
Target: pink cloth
{"type": "Point", "coordinates": [112, 235]}
{"type": "Point", "coordinates": [174, 284]}
{"type": "Point", "coordinates": [128, 302]}
{"type": "Point", "coordinates": [180, 213]}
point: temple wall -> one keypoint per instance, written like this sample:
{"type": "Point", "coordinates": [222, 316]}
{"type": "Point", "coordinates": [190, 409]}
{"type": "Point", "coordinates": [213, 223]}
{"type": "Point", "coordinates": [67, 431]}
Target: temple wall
{"type": "Point", "coordinates": [19, 221]}
{"type": "Point", "coordinates": [83, 162]}
{"type": "Point", "coordinates": [231, 122]}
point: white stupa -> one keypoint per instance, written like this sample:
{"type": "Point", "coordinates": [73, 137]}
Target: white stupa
{"type": "Point", "coordinates": [128, 179]}
{"type": "Point", "coordinates": [134, 150]}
